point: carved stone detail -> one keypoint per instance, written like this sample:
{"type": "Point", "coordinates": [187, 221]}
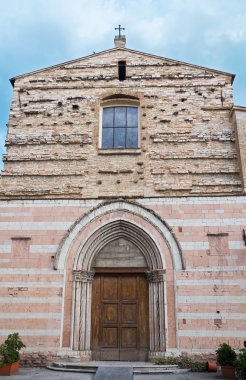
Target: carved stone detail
{"type": "Point", "coordinates": [82, 310]}
{"type": "Point", "coordinates": [157, 275]}
{"type": "Point", "coordinates": [83, 276]}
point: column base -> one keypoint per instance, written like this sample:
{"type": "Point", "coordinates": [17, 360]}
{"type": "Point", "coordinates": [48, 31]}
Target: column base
{"type": "Point", "coordinates": [153, 355]}
{"type": "Point", "coordinates": [82, 356]}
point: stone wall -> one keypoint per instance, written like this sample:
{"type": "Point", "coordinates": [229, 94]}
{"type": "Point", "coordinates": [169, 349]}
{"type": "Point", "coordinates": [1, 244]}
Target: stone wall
{"type": "Point", "coordinates": [187, 136]}
{"type": "Point", "coordinates": [209, 290]}
{"type": "Point", "coordinates": [188, 173]}
{"type": "Point", "coordinates": [239, 116]}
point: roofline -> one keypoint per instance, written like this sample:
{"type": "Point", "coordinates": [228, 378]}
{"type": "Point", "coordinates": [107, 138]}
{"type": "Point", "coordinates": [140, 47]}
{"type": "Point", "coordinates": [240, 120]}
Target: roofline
{"type": "Point", "coordinates": [13, 79]}
{"type": "Point", "coordinates": [239, 108]}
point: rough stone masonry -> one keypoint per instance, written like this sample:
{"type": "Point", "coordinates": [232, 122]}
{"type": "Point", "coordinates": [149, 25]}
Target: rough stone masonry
{"type": "Point", "coordinates": [175, 205]}
{"type": "Point", "coordinates": [188, 137]}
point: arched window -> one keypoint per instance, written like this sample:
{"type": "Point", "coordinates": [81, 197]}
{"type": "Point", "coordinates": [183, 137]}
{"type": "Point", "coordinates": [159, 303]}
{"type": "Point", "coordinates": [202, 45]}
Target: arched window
{"type": "Point", "coordinates": [120, 124]}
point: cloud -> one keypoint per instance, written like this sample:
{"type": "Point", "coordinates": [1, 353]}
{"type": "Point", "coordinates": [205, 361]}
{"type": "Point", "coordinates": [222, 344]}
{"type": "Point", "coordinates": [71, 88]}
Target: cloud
{"type": "Point", "coordinates": [40, 33]}
{"type": "Point", "coordinates": [86, 21]}
{"type": "Point", "coordinates": [75, 23]}
{"type": "Point", "coordinates": [158, 28]}
{"type": "Point", "coordinates": [232, 28]}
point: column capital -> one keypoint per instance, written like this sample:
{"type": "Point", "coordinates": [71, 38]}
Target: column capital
{"type": "Point", "coordinates": [83, 276]}
{"type": "Point", "coordinates": [156, 275]}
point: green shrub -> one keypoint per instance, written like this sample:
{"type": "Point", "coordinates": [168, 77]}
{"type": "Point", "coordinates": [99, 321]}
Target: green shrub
{"type": "Point", "coordinates": [226, 355]}
{"type": "Point", "coordinates": [183, 362]}
{"type": "Point", "coordinates": [9, 350]}
{"type": "Point", "coordinates": [241, 363]}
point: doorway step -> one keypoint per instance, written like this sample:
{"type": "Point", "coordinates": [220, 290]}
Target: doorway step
{"type": "Point", "coordinates": [113, 372]}
{"type": "Point", "coordinates": [89, 369]}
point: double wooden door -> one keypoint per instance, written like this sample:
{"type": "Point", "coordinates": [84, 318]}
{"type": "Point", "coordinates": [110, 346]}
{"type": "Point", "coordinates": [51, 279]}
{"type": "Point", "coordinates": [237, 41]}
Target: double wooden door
{"type": "Point", "coordinates": [120, 317]}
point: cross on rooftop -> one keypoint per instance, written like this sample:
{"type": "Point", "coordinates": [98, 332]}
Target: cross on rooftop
{"type": "Point", "coordinates": [120, 29]}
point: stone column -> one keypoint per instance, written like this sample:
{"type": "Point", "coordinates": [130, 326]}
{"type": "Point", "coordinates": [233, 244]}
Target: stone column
{"type": "Point", "coordinates": [157, 306]}
{"type": "Point", "coordinates": [82, 312]}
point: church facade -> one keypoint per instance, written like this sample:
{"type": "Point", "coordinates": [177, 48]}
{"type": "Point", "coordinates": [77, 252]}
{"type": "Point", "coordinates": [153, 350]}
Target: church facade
{"type": "Point", "coordinates": [123, 209]}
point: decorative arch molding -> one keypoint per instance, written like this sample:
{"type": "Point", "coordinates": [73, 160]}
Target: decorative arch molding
{"type": "Point", "coordinates": [120, 213]}
{"type": "Point", "coordinates": [118, 96]}
{"type": "Point", "coordinates": [112, 94]}
{"type": "Point", "coordinates": [114, 230]}
{"type": "Point", "coordinates": [160, 249]}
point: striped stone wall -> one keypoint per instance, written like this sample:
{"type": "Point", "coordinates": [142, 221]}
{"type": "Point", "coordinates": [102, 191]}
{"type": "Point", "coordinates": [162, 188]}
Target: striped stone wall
{"type": "Point", "coordinates": [209, 291]}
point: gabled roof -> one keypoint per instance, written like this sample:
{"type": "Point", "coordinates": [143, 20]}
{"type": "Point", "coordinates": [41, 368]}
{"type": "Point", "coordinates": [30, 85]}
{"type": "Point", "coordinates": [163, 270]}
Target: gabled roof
{"type": "Point", "coordinates": [12, 80]}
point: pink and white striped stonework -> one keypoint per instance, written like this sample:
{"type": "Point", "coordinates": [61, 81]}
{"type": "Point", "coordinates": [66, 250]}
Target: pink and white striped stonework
{"type": "Point", "coordinates": [175, 205]}
{"type": "Point", "coordinates": [203, 297]}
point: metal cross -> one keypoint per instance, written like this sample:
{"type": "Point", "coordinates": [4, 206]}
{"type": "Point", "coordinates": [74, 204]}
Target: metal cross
{"type": "Point", "coordinates": [120, 29]}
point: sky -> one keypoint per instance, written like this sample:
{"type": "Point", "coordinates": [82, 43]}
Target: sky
{"type": "Point", "coordinates": [40, 33]}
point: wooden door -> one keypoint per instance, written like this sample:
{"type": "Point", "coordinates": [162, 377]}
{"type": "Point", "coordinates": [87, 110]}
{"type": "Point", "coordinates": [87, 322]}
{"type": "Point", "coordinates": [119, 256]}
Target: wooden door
{"type": "Point", "coordinates": [120, 317]}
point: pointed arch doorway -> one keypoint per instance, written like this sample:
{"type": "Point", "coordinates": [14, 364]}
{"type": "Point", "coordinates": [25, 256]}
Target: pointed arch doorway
{"type": "Point", "coordinates": [160, 256]}
{"type": "Point", "coordinates": [120, 303]}
{"type": "Point", "coordinates": [143, 260]}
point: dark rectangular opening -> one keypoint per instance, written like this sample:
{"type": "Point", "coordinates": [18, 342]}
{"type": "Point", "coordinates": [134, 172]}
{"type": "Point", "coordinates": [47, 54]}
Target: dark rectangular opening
{"type": "Point", "coordinates": [122, 70]}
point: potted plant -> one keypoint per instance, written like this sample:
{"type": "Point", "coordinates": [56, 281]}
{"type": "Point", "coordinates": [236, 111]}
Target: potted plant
{"type": "Point", "coordinates": [226, 357]}
{"type": "Point", "coordinates": [9, 355]}
{"type": "Point", "coordinates": [241, 364]}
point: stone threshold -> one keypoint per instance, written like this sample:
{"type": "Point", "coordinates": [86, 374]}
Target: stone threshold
{"type": "Point", "coordinates": [92, 366]}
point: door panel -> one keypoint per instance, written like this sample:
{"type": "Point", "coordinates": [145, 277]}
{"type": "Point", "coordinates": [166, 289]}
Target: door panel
{"type": "Point", "coordinates": [143, 313]}
{"type": "Point", "coordinates": [129, 337]}
{"type": "Point", "coordinates": [95, 314]}
{"type": "Point", "coordinates": [109, 288]}
{"type": "Point", "coordinates": [110, 337]}
{"type": "Point", "coordinates": [128, 287]}
{"type": "Point", "coordinates": [120, 317]}
{"type": "Point", "coordinates": [129, 313]}
{"type": "Point", "coordinates": [109, 313]}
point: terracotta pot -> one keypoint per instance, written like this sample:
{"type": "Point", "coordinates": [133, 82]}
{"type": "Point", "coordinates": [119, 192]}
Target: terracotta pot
{"type": "Point", "coordinates": [228, 372]}
{"type": "Point", "coordinates": [211, 366]}
{"type": "Point", "coordinates": [9, 369]}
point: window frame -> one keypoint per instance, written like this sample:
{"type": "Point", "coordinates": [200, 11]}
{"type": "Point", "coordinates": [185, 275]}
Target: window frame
{"type": "Point", "coordinates": [118, 103]}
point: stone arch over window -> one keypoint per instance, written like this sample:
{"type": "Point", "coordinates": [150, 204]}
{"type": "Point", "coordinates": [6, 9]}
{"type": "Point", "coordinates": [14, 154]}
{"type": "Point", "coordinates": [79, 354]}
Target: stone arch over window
{"type": "Point", "coordinates": [120, 96]}
{"type": "Point", "coordinates": [161, 252]}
